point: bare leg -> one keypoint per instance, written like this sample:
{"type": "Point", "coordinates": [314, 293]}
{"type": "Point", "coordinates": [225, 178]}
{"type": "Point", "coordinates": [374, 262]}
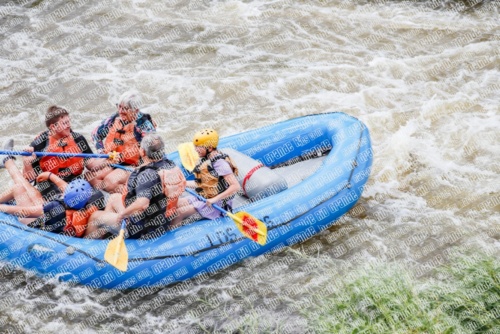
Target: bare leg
{"type": "Point", "coordinates": [97, 163]}
{"type": "Point", "coordinates": [96, 177]}
{"type": "Point", "coordinates": [184, 210]}
{"type": "Point", "coordinates": [116, 181]}
{"type": "Point", "coordinates": [115, 203]}
{"type": "Point", "coordinates": [110, 180]}
{"type": "Point", "coordinates": [24, 193]}
{"type": "Point", "coordinates": [101, 221]}
{"type": "Point", "coordinates": [28, 199]}
{"type": "Point", "coordinates": [7, 195]}
{"type": "Point", "coordinates": [26, 214]}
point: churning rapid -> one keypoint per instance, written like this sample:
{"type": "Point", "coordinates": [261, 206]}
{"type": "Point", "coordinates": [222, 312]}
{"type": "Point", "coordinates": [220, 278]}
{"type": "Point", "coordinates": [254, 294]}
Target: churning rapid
{"type": "Point", "coordinates": [419, 251]}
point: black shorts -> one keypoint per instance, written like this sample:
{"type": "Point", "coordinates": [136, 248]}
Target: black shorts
{"type": "Point", "coordinates": [53, 219]}
{"type": "Point", "coordinates": [48, 190]}
{"type": "Point", "coordinates": [147, 228]}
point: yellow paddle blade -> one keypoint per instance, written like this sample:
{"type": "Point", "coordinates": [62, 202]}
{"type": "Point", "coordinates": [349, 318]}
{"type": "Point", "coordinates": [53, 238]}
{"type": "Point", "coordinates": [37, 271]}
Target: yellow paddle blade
{"type": "Point", "coordinates": [250, 226]}
{"type": "Point", "coordinates": [188, 155]}
{"type": "Point", "coordinates": [116, 254]}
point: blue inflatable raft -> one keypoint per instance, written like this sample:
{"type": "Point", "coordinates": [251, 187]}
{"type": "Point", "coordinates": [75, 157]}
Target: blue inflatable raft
{"type": "Point", "coordinates": [337, 144]}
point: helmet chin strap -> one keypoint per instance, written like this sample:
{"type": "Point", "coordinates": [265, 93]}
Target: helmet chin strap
{"type": "Point", "coordinates": [210, 150]}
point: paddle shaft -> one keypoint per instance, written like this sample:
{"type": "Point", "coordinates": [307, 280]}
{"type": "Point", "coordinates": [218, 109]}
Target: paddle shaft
{"type": "Point", "coordinates": [128, 169]}
{"type": "Point", "coordinates": [229, 214]}
{"type": "Point", "coordinates": [201, 198]}
{"type": "Point", "coordinates": [121, 236]}
{"type": "Point", "coordinates": [54, 154]}
{"type": "Point", "coordinates": [124, 225]}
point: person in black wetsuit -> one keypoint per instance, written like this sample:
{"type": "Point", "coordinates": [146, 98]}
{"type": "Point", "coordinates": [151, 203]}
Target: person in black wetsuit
{"type": "Point", "coordinates": [144, 203]}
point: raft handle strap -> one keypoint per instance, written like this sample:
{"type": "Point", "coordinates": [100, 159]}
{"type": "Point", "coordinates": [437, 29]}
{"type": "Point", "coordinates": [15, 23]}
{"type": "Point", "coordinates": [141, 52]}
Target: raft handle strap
{"type": "Point", "coordinates": [248, 176]}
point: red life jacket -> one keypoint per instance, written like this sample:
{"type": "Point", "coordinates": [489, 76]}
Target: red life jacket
{"type": "Point", "coordinates": [77, 220]}
{"type": "Point", "coordinates": [55, 164]}
{"type": "Point", "coordinates": [121, 139]}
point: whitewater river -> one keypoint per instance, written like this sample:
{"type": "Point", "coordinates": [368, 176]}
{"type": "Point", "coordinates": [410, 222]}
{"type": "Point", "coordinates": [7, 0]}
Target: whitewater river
{"type": "Point", "coordinates": [419, 251]}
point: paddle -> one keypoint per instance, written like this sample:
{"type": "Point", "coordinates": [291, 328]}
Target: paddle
{"type": "Point", "coordinates": [116, 253]}
{"type": "Point", "coordinates": [55, 154]}
{"type": "Point", "coordinates": [188, 155]}
{"type": "Point", "coordinates": [128, 169]}
{"type": "Point", "coordinates": [248, 225]}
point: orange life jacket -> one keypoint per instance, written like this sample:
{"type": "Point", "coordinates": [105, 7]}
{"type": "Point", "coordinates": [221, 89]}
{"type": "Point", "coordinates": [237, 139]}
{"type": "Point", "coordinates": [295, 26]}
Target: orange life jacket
{"type": "Point", "coordinates": [173, 184]}
{"type": "Point", "coordinates": [77, 220]}
{"type": "Point", "coordinates": [121, 138]}
{"type": "Point", "coordinates": [55, 164]}
{"type": "Point", "coordinates": [211, 184]}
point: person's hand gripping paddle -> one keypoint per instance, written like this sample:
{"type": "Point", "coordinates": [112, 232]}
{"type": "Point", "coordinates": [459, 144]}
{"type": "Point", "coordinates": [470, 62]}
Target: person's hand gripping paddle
{"type": "Point", "coordinates": [248, 225]}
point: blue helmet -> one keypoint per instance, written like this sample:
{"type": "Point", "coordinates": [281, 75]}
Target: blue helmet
{"type": "Point", "coordinates": [77, 194]}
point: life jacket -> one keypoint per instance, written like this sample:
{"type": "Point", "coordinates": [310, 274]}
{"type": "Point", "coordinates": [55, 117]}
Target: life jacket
{"type": "Point", "coordinates": [56, 165]}
{"type": "Point", "coordinates": [121, 138]}
{"type": "Point", "coordinates": [143, 124]}
{"type": "Point", "coordinates": [209, 183]}
{"type": "Point", "coordinates": [173, 184]}
{"type": "Point", "coordinates": [77, 220]}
